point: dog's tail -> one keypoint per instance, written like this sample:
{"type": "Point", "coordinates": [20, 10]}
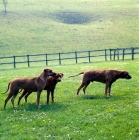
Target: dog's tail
{"type": "Point", "coordinates": [7, 88]}
{"type": "Point", "coordinates": [76, 74]}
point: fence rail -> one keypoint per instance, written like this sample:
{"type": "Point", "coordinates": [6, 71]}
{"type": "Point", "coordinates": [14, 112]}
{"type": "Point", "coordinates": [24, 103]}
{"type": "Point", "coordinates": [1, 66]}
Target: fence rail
{"type": "Point", "coordinates": [73, 57]}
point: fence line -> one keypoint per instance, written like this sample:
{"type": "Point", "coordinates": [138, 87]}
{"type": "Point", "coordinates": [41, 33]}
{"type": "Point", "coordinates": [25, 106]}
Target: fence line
{"type": "Point", "coordinates": [83, 56]}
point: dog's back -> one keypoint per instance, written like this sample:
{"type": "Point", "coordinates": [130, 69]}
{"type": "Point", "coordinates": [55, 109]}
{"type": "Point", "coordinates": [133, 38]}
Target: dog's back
{"type": "Point", "coordinates": [28, 84]}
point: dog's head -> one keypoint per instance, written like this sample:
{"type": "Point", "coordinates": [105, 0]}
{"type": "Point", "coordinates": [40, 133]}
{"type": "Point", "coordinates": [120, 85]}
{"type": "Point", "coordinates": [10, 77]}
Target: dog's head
{"type": "Point", "coordinates": [125, 74]}
{"type": "Point", "coordinates": [49, 72]}
{"type": "Point", "coordinates": [58, 77]}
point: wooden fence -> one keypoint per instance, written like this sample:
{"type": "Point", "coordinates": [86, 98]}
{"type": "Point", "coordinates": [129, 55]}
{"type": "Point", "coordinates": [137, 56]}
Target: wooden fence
{"type": "Point", "coordinates": [72, 57]}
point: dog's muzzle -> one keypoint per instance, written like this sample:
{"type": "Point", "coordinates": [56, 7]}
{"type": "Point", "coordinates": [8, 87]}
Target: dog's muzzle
{"type": "Point", "coordinates": [59, 79]}
{"type": "Point", "coordinates": [128, 77]}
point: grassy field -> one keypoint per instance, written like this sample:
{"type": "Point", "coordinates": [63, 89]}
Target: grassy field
{"type": "Point", "coordinates": [35, 27]}
{"type": "Point", "coordinates": [87, 117]}
{"type": "Point", "coordinates": [32, 27]}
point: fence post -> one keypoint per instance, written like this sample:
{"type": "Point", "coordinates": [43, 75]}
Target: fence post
{"type": "Point", "coordinates": [14, 62]}
{"type": "Point", "coordinates": [46, 60]}
{"type": "Point", "coordinates": [59, 59]}
{"type": "Point", "coordinates": [117, 53]}
{"type": "Point", "coordinates": [132, 49]}
{"type": "Point", "coordinates": [89, 56]}
{"type": "Point", "coordinates": [123, 54]}
{"type": "Point", "coordinates": [114, 54]}
{"type": "Point", "coordinates": [28, 60]}
{"type": "Point", "coordinates": [76, 56]}
{"type": "Point", "coordinates": [105, 55]}
{"type": "Point", "coordinates": [110, 54]}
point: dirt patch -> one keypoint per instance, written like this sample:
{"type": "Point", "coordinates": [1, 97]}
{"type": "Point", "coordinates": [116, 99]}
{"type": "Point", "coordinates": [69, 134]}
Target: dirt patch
{"type": "Point", "coordinates": [73, 17]}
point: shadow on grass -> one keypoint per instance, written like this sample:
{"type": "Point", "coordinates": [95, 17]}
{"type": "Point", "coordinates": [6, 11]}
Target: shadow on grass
{"type": "Point", "coordinates": [92, 97]}
{"type": "Point", "coordinates": [44, 107]}
{"type": "Point", "coordinates": [102, 97]}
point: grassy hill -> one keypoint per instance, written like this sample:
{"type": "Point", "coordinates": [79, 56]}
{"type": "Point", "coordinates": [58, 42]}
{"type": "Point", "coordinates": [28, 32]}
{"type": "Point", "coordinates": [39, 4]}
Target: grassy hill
{"type": "Point", "coordinates": [48, 26]}
{"type": "Point", "coordinates": [32, 27]}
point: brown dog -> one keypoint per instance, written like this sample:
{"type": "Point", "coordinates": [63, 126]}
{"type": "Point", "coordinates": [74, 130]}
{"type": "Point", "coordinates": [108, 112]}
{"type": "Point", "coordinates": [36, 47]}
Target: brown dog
{"type": "Point", "coordinates": [50, 87]}
{"type": "Point", "coordinates": [104, 76]}
{"type": "Point", "coordinates": [29, 84]}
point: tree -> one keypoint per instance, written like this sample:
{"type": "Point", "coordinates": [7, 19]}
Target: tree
{"type": "Point", "coordinates": [5, 2]}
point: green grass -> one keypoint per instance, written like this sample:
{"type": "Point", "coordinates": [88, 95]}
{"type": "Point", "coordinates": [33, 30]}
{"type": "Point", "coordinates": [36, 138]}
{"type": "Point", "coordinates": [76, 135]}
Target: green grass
{"type": "Point", "coordinates": [89, 116]}
{"type": "Point", "coordinates": [32, 27]}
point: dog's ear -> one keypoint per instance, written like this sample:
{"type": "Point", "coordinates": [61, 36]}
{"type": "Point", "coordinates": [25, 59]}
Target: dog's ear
{"type": "Point", "coordinates": [53, 74]}
{"type": "Point", "coordinates": [44, 70]}
{"type": "Point", "coordinates": [62, 74]}
{"type": "Point", "coordinates": [47, 70]}
{"type": "Point", "coordinates": [122, 75]}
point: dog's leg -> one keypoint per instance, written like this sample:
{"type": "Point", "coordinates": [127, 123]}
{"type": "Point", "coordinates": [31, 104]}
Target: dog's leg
{"type": "Point", "coordinates": [81, 86]}
{"type": "Point", "coordinates": [22, 95]}
{"type": "Point", "coordinates": [108, 89]}
{"type": "Point", "coordinates": [13, 98]}
{"type": "Point", "coordinates": [7, 99]}
{"type": "Point", "coordinates": [84, 88]}
{"type": "Point", "coordinates": [38, 98]}
{"type": "Point", "coordinates": [48, 94]}
{"type": "Point", "coordinates": [52, 95]}
{"type": "Point", "coordinates": [26, 96]}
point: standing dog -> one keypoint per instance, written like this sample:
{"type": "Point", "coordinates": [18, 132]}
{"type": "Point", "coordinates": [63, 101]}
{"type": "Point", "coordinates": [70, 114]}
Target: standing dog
{"type": "Point", "coordinates": [104, 76]}
{"type": "Point", "coordinates": [50, 87]}
{"type": "Point", "coordinates": [29, 84]}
